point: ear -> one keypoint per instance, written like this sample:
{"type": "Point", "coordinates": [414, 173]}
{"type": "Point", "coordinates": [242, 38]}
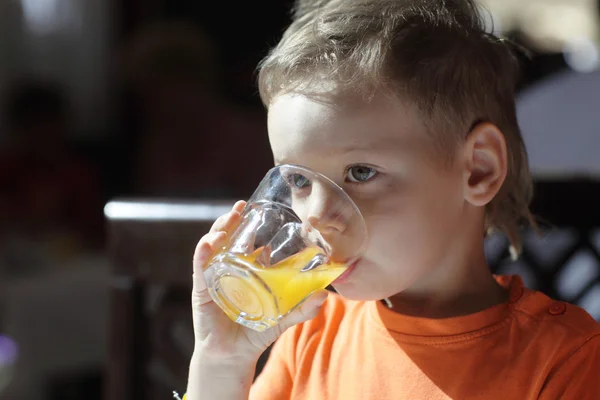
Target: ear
{"type": "Point", "coordinates": [486, 163]}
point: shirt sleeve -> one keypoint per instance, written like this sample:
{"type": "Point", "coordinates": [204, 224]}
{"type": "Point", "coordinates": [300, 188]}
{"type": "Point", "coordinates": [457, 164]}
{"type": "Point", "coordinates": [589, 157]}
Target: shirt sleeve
{"type": "Point", "coordinates": [578, 378]}
{"type": "Point", "coordinates": [276, 380]}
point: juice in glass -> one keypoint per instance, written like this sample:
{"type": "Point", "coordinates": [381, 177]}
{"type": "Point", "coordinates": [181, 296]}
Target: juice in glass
{"type": "Point", "coordinates": [269, 293]}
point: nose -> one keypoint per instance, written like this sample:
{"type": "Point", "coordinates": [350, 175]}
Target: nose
{"type": "Point", "coordinates": [325, 211]}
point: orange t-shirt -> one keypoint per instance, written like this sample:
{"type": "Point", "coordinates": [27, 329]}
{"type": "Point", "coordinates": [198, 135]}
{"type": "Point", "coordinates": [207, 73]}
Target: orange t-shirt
{"type": "Point", "coordinates": [529, 348]}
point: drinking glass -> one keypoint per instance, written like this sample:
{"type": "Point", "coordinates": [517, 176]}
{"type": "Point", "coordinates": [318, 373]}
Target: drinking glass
{"type": "Point", "coordinates": [298, 233]}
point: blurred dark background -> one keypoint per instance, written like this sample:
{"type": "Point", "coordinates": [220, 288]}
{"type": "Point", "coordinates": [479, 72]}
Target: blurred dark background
{"type": "Point", "coordinates": [156, 99]}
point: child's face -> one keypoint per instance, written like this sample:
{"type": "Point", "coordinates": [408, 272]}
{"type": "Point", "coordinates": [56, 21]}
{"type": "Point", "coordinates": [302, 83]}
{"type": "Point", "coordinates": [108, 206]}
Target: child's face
{"type": "Point", "coordinates": [382, 156]}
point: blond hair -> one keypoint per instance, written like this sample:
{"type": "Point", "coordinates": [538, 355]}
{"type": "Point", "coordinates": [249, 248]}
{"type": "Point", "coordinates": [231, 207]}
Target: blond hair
{"type": "Point", "coordinates": [435, 53]}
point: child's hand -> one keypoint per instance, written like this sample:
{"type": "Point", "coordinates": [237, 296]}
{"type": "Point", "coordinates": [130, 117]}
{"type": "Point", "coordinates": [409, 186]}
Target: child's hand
{"type": "Point", "coordinates": [221, 345]}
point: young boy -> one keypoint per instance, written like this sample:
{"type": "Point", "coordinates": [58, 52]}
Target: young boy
{"type": "Point", "coordinates": [409, 106]}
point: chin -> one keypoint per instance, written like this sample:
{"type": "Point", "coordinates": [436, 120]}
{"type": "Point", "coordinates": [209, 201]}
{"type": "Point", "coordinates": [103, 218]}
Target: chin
{"type": "Point", "coordinates": [366, 284]}
{"type": "Point", "coordinates": [358, 284]}
{"type": "Point", "coordinates": [356, 292]}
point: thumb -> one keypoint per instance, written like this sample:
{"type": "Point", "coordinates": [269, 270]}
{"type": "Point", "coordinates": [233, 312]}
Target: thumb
{"type": "Point", "coordinates": [307, 310]}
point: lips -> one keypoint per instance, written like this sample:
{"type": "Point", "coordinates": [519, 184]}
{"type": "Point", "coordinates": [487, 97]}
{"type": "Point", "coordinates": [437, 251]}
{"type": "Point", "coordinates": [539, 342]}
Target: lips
{"type": "Point", "coordinates": [344, 277]}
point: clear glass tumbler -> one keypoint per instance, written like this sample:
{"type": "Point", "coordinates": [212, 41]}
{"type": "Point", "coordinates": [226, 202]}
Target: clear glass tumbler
{"type": "Point", "coordinates": [299, 232]}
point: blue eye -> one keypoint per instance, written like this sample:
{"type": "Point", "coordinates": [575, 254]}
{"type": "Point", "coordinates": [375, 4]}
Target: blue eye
{"type": "Point", "coordinates": [360, 173]}
{"type": "Point", "coordinates": [299, 181]}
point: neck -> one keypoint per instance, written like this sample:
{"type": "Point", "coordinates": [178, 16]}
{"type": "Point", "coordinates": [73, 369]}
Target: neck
{"type": "Point", "coordinates": [458, 287]}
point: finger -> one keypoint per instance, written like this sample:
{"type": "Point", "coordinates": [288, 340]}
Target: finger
{"type": "Point", "coordinates": [206, 247]}
{"type": "Point", "coordinates": [227, 222]}
{"type": "Point", "coordinates": [220, 222]}
{"type": "Point", "coordinates": [239, 206]}
{"type": "Point", "coordinates": [204, 251]}
{"type": "Point", "coordinates": [307, 310]}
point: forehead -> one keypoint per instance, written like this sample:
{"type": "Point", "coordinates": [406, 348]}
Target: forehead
{"type": "Point", "coordinates": [300, 126]}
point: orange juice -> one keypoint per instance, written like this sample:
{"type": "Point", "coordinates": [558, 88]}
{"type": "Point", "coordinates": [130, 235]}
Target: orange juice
{"type": "Point", "coordinates": [268, 293]}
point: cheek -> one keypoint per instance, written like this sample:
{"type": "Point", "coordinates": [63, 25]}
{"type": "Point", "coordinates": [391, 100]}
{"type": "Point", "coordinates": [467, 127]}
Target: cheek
{"type": "Point", "coordinates": [412, 229]}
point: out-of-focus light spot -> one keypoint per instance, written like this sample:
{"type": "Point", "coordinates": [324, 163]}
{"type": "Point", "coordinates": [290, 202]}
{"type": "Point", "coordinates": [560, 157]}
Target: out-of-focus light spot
{"type": "Point", "coordinates": [591, 302]}
{"type": "Point", "coordinates": [40, 15]}
{"type": "Point", "coordinates": [492, 22]}
{"type": "Point", "coordinates": [158, 211]}
{"type": "Point", "coordinates": [582, 55]}
{"type": "Point", "coordinates": [9, 351]}
{"type": "Point", "coordinates": [576, 274]}
{"type": "Point", "coordinates": [44, 17]}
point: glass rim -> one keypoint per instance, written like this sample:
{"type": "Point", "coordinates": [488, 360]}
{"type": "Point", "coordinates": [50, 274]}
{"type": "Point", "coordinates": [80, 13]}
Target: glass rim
{"type": "Point", "coordinates": [338, 190]}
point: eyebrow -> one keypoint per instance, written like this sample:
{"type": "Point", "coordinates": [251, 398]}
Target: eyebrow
{"type": "Point", "coordinates": [379, 148]}
{"type": "Point", "coordinates": [383, 146]}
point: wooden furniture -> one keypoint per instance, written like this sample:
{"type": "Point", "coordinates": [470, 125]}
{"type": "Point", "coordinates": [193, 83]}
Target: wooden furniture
{"type": "Point", "coordinates": [151, 246]}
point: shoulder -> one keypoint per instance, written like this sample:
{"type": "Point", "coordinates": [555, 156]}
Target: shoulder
{"type": "Point", "coordinates": [556, 315]}
{"type": "Point", "coordinates": [556, 327]}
